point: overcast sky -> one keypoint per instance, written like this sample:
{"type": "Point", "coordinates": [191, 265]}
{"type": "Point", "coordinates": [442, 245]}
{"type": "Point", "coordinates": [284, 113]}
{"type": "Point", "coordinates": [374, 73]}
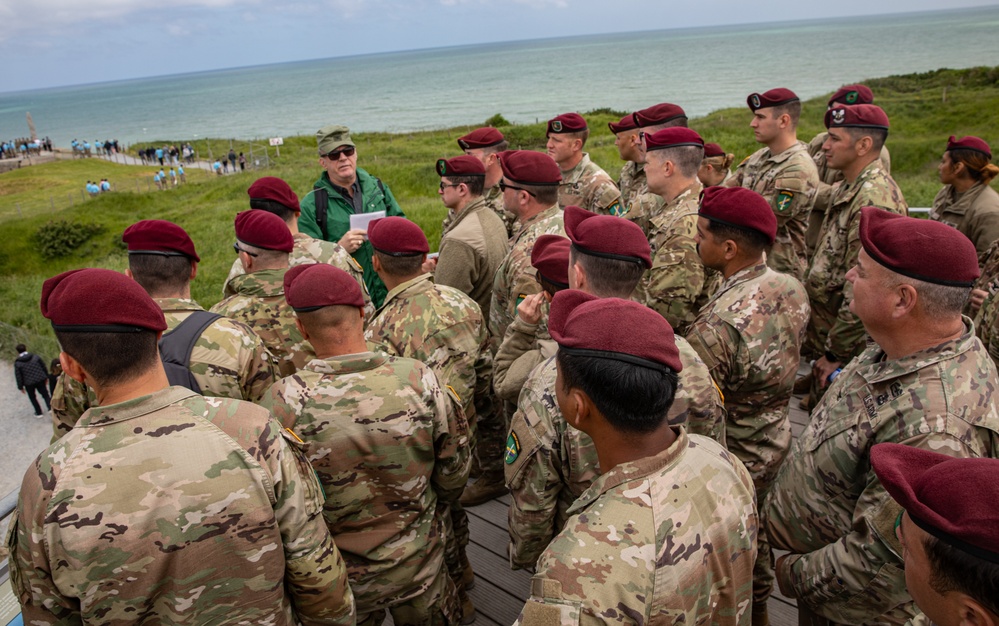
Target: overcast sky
{"type": "Point", "coordinates": [47, 43]}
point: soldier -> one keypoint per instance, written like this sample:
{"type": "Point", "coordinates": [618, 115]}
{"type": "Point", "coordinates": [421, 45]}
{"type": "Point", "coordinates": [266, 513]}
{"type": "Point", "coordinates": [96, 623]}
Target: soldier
{"type": "Point", "coordinates": [388, 446]}
{"type": "Point", "coordinates": [485, 144]}
{"type": "Point", "coordinates": [162, 505]}
{"type": "Point", "coordinates": [783, 173]}
{"type": "Point", "coordinates": [264, 244]}
{"type": "Point", "coordinates": [715, 166]}
{"type": "Point", "coordinates": [676, 279]}
{"type": "Point", "coordinates": [273, 195]}
{"type": "Point", "coordinates": [548, 463]}
{"type": "Point", "coordinates": [645, 204]}
{"type": "Point", "coordinates": [926, 382]}
{"type": "Point", "coordinates": [835, 335]}
{"type": "Point", "coordinates": [474, 240]}
{"type": "Point", "coordinates": [948, 530]}
{"type": "Point", "coordinates": [667, 505]}
{"type": "Point", "coordinates": [444, 329]}
{"type": "Point", "coordinates": [629, 148]}
{"type": "Point", "coordinates": [343, 190]}
{"type": "Point", "coordinates": [967, 202]}
{"type": "Point", "coordinates": [749, 335]}
{"type": "Point", "coordinates": [584, 183]}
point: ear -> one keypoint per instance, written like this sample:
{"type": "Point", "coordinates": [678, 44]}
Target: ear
{"type": "Point", "coordinates": [580, 276]}
{"type": "Point", "coordinates": [906, 300]}
{"type": "Point", "coordinates": [668, 168]}
{"type": "Point", "coordinates": [784, 120]}
{"type": "Point", "coordinates": [301, 328]}
{"type": "Point", "coordinates": [577, 144]}
{"type": "Point", "coordinates": [72, 368]}
{"type": "Point", "coordinates": [247, 262]}
{"type": "Point", "coordinates": [194, 270]}
{"type": "Point", "coordinates": [731, 249]}
{"type": "Point", "coordinates": [864, 145]}
{"type": "Point", "coordinates": [128, 273]}
{"type": "Point", "coordinates": [376, 264]}
{"type": "Point", "coordinates": [971, 613]}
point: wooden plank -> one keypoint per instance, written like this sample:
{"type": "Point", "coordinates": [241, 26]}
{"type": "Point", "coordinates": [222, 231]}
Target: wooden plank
{"type": "Point", "coordinates": [501, 593]}
{"type": "Point", "coordinates": [489, 536]}
{"type": "Point", "coordinates": [781, 614]}
{"type": "Point", "coordinates": [493, 512]}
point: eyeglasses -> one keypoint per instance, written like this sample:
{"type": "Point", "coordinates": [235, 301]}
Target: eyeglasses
{"type": "Point", "coordinates": [443, 185]}
{"type": "Point", "coordinates": [335, 155]}
{"type": "Point", "coordinates": [503, 187]}
{"type": "Point", "coordinates": [236, 247]}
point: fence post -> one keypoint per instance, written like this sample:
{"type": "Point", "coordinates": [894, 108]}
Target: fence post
{"type": "Point", "coordinates": [19, 210]}
{"type": "Point", "coordinates": [52, 203]}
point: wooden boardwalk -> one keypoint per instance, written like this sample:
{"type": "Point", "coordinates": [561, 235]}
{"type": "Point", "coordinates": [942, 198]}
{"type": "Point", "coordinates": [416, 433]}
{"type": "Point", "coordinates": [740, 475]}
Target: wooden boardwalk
{"type": "Point", "coordinates": [499, 593]}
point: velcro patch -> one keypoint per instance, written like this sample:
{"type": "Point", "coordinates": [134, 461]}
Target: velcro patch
{"type": "Point", "coordinates": [783, 201]}
{"type": "Point", "coordinates": [615, 209]}
{"type": "Point", "coordinates": [512, 449]}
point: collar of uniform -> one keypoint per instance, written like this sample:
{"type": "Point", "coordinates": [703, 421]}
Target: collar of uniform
{"type": "Point", "coordinates": [875, 370]}
{"type": "Point", "coordinates": [104, 415]}
{"type": "Point", "coordinates": [473, 206]}
{"type": "Point", "coordinates": [177, 304]}
{"type": "Point", "coordinates": [633, 470]}
{"type": "Point", "coordinates": [691, 193]}
{"type": "Point", "coordinates": [744, 275]}
{"type": "Point", "coordinates": [547, 214]}
{"type": "Point", "coordinates": [572, 175]}
{"type": "Point", "coordinates": [800, 146]}
{"type": "Point", "coordinates": [421, 283]}
{"type": "Point", "coordinates": [959, 203]}
{"type": "Point", "coordinates": [348, 363]}
{"type": "Point", "coordinates": [262, 284]}
{"type": "Point", "coordinates": [869, 171]}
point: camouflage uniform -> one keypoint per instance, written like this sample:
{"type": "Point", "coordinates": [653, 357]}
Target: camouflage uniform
{"type": "Point", "coordinates": [176, 508]}
{"type": "Point", "coordinates": [472, 247]}
{"type": "Point", "coordinates": [549, 463]}
{"type": "Point", "coordinates": [642, 208]}
{"type": "Point", "coordinates": [259, 303]}
{"type": "Point", "coordinates": [788, 181]}
{"type": "Point", "coordinates": [387, 445]}
{"type": "Point", "coordinates": [676, 279]}
{"type": "Point", "coordinates": [70, 401]}
{"type": "Point", "coordinates": [975, 213]}
{"type": "Point", "coordinates": [667, 539]}
{"type": "Point", "coordinates": [632, 184]}
{"type": "Point", "coordinates": [833, 328]}
{"type": "Point", "coordinates": [750, 336]}
{"type": "Point", "coordinates": [524, 347]}
{"type": "Point", "coordinates": [588, 186]}
{"type": "Point", "coordinates": [826, 505]}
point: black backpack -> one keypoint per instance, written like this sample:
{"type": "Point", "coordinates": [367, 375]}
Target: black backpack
{"type": "Point", "coordinates": [176, 347]}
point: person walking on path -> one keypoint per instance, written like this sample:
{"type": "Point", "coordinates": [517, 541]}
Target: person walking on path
{"type": "Point", "coordinates": [29, 369]}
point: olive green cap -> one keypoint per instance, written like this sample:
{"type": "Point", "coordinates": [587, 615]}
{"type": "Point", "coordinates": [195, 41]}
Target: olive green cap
{"type": "Point", "coordinates": [332, 137]}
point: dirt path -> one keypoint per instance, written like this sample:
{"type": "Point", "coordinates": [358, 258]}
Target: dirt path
{"type": "Point", "coordinates": [24, 436]}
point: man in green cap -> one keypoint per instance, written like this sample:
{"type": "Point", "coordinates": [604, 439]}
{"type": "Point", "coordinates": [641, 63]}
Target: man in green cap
{"type": "Point", "coordinates": [343, 190]}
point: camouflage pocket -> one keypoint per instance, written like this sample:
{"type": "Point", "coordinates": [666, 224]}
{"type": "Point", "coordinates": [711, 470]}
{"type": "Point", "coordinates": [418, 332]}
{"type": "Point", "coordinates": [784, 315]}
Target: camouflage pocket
{"type": "Point", "coordinates": [315, 497]}
{"type": "Point", "coordinates": [16, 583]}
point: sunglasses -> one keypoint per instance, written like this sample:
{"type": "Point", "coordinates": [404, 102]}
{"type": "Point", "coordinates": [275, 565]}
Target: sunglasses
{"type": "Point", "coordinates": [443, 185]}
{"type": "Point", "coordinates": [236, 247]}
{"type": "Point", "coordinates": [335, 155]}
{"type": "Point", "coordinates": [503, 187]}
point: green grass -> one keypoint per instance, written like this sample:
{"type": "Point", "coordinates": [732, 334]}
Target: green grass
{"type": "Point", "coordinates": [924, 108]}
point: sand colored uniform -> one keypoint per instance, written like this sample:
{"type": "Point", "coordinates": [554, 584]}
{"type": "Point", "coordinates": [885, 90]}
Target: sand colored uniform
{"type": "Point", "coordinates": [588, 186]}
{"type": "Point", "coordinates": [975, 213]}
{"type": "Point", "coordinates": [788, 181]}
{"type": "Point", "coordinates": [387, 446]}
{"type": "Point", "coordinates": [549, 463]}
{"type": "Point", "coordinates": [827, 507]}
{"type": "Point", "coordinates": [176, 508]}
{"type": "Point", "coordinates": [667, 539]}
{"type": "Point", "coordinates": [259, 303]}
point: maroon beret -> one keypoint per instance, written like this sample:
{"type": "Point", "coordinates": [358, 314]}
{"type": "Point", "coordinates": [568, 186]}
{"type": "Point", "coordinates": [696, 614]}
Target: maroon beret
{"type": "Point", "coordinates": [672, 138]}
{"type": "Point", "coordinates": [480, 138]}
{"type": "Point", "coordinates": [612, 328]}
{"type": "Point", "coordinates": [463, 165]}
{"type": "Point", "coordinates": [550, 256]}
{"type": "Point", "coordinates": [529, 167]}
{"type": "Point", "coordinates": [607, 236]}
{"type": "Point", "coordinates": [625, 123]}
{"type": "Point", "coordinates": [772, 98]}
{"type": "Point", "coordinates": [397, 236]}
{"type": "Point", "coordinates": [918, 248]}
{"type": "Point", "coordinates": [567, 123]}
{"type": "Point", "coordinates": [953, 499]}
{"type": "Point", "coordinates": [739, 207]}
{"type": "Point", "coordinates": [852, 94]}
{"type": "Point", "coordinates": [315, 285]}
{"type": "Point", "coordinates": [275, 189]}
{"type": "Point", "coordinates": [159, 237]}
{"type": "Point", "coordinates": [969, 143]}
{"type": "Point", "coordinates": [857, 116]}
{"type": "Point", "coordinates": [263, 229]}
{"type": "Point", "coordinates": [99, 301]}
{"type": "Point", "coordinates": [713, 150]}
{"type": "Point", "coordinates": [658, 114]}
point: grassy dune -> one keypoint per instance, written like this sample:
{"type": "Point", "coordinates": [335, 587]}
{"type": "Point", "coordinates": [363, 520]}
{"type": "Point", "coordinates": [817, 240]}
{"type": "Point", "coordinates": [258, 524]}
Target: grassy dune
{"type": "Point", "coordinates": [924, 109]}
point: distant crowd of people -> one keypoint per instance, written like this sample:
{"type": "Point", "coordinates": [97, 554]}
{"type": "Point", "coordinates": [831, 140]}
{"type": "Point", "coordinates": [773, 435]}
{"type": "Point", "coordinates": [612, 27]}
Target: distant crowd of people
{"type": "Point", "coordinates": [84, 149]}
{"type": "Point", "coordinates": [24, 147]}
{"type": "Point", "coordinates": [167, 154]}
{"type": "Point", "coordinates": [167, 179]}
{"type": "Point", "coordinates": [96, 188]}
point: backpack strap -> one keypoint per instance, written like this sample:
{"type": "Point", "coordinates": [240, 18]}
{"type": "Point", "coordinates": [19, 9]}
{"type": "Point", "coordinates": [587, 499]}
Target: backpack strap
{"type": "Point", "coordinates": [322, 199]}
{"type": "Point", "coordinates": [176, 347]}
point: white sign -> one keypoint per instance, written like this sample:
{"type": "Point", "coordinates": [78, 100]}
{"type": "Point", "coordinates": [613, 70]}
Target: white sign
{"type": "Point", "coordinates": [277, 141]}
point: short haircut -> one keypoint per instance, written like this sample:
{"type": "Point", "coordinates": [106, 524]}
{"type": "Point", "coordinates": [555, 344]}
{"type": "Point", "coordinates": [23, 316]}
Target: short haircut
{"type": "Point", "coordinates": [544, 194]}
{"type": "Point", "coordinates": [955, 570]}
{"type": "Point", "coordinates": [976, 164]}
{"type": "Point", "coordinates": [112, 358]}
{"type": "Point", "coordinates": [878, 136]}
{"type": "Point", "coordinates": [500, 147]}
{"type": "Point", "coordinates": [271, 206]}
{"type": "Point", "coordinates": [265, 257]}
{"type": "Point", "coordinates": [687, 159]}
{"type": "Point", "coordinates": [321, 321]}
{"type": "Point", "coordinates": [792, 109]}
{"type": "Point", "coordinates": [938, 301]}
{"type": "Point", "coordinates": [548, 286]}
{"type": "Point", "coordinates": [582, 134]}
{"type": "Point", "coordinates": [21, 348]}
{"type": "Point", "coordinates": [400, 266]}
{"type": "Point", "coordinates": [673, 123]}
{"type": "Point", "coordinates": [476, 184]}
{"type": "Point", "coordinates": [158, 274]}
{"type": "Point", "coordinates": [608, 278]}
{"type": "Point", "coordinates": [748, 240]}
{"type": "Point", "coordinates": [633, 398]}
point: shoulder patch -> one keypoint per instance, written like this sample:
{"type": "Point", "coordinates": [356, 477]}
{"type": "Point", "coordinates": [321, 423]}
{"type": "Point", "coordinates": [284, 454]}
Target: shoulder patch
{"type": "Point", "coordinates": [616, 210]}
{"type": "Point", "coordinates": [783, 201]}
{"type": "Point", "coordinates": [454, 394]}
{"type": "Point", "coordinates": [355, 264]}
{"type": "Point", "coordinates": [512, 449]}
{"type": "Point", "coordinates": [520, 298]}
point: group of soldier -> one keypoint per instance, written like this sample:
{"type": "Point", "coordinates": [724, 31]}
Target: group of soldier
{"type": "Point", "coordinates": [619, 357]}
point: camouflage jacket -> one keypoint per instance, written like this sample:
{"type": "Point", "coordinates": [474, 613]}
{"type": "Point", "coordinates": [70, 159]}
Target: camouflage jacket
{"type": "Point", "coordinates": [676, 279]}
{"type": "Point", "coordinates": [259, 303]}
{"type": "Point", "coordinates": [749, 336]}
{"type": "Point", "coordinates": [975, 213]}
{"type": "Point", "coordinates": [644, 206]}
{"type": "Point", "coordinates": [828, 290]}
{"type": "Point", "coordinates": [386, 444]}
{"type": "Point", "coordinates": [789, 182]}
{"type": "Point", "coordinates": [829, 509]}
{"type": "Point", "coordinates": [176, 508]}
{"type": "Point", "coordinates": [524, 347]}
{"type": "Point", "coordinates": [472, 247]}
{"type": "Point", "coordinates": [667, 539]}
{"type": "Point", "coordinates": [588, 186]}
{"type": "Point", "coordinates": [515, 276]}
{"type": "Point", "coordinates": [548, 464]}
{"type": "Point", "coordinates": [443, 328]}
{"type": "Point", "coordinates": [828, 177]}
{"type": "Point", "coordinates": [632, 184]}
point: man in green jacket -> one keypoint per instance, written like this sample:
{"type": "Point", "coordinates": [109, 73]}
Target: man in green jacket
{"type": "Point", "coordinates": [348, 190]}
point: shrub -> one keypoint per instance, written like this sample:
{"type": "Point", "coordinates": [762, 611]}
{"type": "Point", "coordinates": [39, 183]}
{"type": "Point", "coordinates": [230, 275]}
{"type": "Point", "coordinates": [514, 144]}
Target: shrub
{"type": "Point", "coordinates": [59, 238]}
{"type": "Point", "coordinates": [497, 120]}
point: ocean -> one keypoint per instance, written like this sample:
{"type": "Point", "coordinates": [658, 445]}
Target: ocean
{"type": "Point", "coordinates": [702, 69]}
